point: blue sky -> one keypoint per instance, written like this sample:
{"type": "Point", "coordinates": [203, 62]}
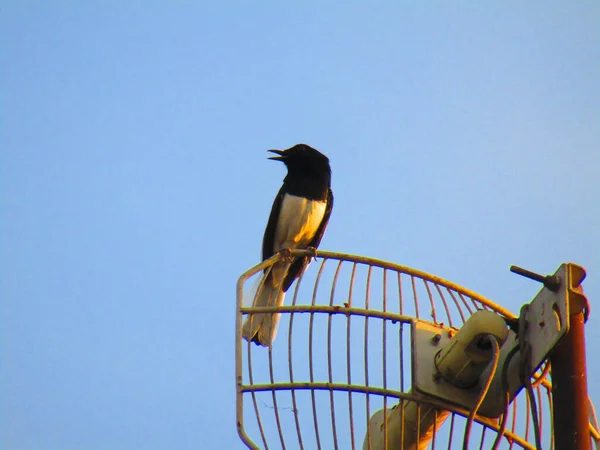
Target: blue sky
{"type": "Point", "coordinates": [135, 187]}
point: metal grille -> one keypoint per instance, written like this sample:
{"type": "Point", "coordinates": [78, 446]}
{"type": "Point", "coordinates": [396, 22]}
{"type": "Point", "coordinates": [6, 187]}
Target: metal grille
{"type": "Point", "coordinates": [343, 352]}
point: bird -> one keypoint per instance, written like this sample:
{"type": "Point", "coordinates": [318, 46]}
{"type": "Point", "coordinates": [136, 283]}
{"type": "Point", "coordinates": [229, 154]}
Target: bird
{"type": "Point", "coordinates": [299, 216]}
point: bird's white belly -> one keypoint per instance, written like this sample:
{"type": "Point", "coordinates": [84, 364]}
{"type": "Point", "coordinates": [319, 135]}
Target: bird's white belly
{"type": "Point", "coordinates": [299, 220]}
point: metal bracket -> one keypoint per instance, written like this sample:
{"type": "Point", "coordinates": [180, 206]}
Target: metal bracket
{"type": "Point", "coordinates": [547, 322]}
{"type": "Point", "coordinates": [548, 313]}
{"type": "Point", "coordinates": [428, 339]}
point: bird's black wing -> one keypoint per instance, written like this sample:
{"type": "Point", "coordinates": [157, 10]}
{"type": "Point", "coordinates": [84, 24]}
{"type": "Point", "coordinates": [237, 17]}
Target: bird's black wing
{"type": "Point", "coordinates": [269, 236]}
{"type": "Point", "coordinates": [297, 266]}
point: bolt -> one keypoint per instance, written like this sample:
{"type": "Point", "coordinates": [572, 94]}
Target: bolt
{"type": "Point", "coordinates": [551, 282]}
{"type": "Point", "coordinates": [435, 340]}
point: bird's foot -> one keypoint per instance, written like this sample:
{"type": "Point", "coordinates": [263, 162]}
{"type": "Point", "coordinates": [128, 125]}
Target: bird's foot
{"type": "Point", "coordinates": [313, 252]}
{"type": "Point", "coordinates": [286, 255]}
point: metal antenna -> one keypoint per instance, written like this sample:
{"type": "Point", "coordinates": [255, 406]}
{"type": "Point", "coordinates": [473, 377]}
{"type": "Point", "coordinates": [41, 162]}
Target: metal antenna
{"type": "Point", "coordinates": [374, 355]}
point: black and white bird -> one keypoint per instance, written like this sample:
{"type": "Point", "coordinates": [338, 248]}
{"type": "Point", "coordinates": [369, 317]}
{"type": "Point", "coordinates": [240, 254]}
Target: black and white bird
{"type": "Point", "coordinates": [298, 220]}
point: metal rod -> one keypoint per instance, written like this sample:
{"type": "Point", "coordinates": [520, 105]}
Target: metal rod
{"type": "Point", "coordinates": [329, 364]}
{"type": "Point", "coordinates": [384, 345]}
{"type": "Point", "coordinates": [569, 389]}
{"type": "Point", "coordinates": [528, 274]}
{"type": "Point", "coordinates": [477, 299]}
{"type": "Point", "coordinates": [550, 281]}
{"type": "Point", "coordinates": [366, 354]}
{"type": "Point", "coordinates": [290, 361]}
{"type": "Point", "coordinates": [348, 359]}
{"type": "Point", "coordinates": [310, 354]}
{"type": "Point", "coordinates": [274, 396]}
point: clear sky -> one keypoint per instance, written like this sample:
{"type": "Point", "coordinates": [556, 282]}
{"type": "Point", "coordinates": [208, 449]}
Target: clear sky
{"type": "Point", "coordinates": [464, 137]}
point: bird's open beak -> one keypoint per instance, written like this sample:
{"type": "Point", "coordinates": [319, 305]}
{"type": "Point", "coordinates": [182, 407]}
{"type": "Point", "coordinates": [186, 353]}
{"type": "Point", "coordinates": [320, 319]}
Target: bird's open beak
{"type": "Point", "coordinates": [281, 156]}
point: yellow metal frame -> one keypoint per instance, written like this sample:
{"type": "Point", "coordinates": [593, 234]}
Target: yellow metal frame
{"type": "Point", "coordinates": [251, 388]}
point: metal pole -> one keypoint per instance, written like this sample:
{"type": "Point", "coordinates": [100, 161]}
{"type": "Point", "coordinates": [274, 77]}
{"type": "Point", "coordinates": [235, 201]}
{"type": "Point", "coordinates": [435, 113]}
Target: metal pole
{"type": "Point", "coordinates": [569, 388]}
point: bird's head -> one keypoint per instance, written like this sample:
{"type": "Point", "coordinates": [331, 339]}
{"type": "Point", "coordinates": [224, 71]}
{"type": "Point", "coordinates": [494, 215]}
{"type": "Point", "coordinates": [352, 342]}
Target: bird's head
{"type": "Point", "coordinates": [301, 159]}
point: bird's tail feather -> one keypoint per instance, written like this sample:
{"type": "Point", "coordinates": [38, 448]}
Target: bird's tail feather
{"type": "Point", "coordinates": [262, 327]}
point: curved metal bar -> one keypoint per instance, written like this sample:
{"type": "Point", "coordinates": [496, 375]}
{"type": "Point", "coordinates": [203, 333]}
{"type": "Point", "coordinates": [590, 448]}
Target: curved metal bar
{"type": "Point", "coordinates": [489, 423]}
{"type": "Point", "coordinates": [328, 310]}
{"type": "Point", "coordinates": [329, 365]}
{"type": "Point", "coordinates": [464, 302]}
{"type": "Point", "coordinates": [310, 353]}
{"type": "Point", "coordinates": [290, 364]}
{"type": "Point", "coordinates": [274, 397]}
{"type": "Point", "coordinates": [384, 265]}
